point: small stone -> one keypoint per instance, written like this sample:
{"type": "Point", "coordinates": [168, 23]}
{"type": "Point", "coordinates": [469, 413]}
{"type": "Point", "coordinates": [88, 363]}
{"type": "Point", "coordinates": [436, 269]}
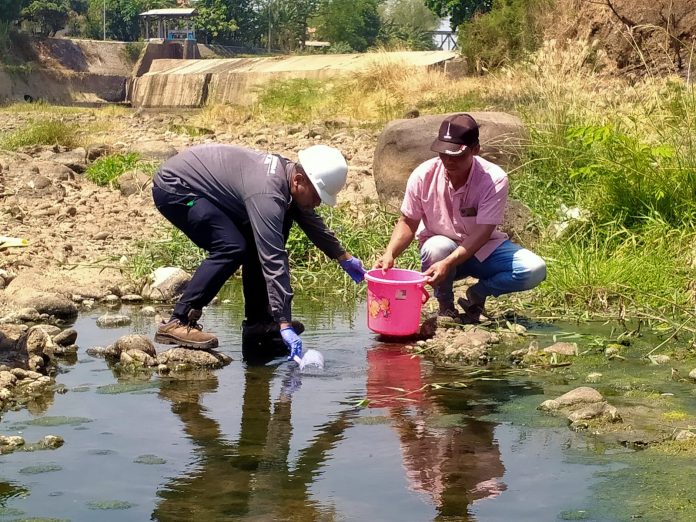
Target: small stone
{"type": "Point", "coordinates": [659, 359]}
{"type": "Point", "coordinates": [113, 321]}
{"type": "Point", "coordinates": [593, 377]}
{"type": "Point", "coordinates": [685, 435]}
{"type": "Point", "coordinates": [562, 349]}
{"type": "Point", "coordinates": [148, 311]}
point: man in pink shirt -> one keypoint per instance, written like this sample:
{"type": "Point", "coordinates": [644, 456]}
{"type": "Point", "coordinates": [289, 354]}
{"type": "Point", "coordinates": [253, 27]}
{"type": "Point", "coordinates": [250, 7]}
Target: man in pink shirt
{"type": "Point", "coordinates": [453, 205]}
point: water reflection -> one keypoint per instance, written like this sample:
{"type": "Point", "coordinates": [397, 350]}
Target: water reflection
{"type": "Point", "coordinates": [453, 460]}
{"type": "Point", "coordinates": [252, 477]}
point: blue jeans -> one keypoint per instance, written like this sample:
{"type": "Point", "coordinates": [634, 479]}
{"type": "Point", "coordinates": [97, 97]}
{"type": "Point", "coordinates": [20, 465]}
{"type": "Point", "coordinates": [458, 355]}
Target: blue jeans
{"type": "Point", "coordinates": [510, 268]}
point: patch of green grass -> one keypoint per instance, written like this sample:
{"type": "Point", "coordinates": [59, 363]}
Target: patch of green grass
{"type": "Point", "coordinates": [49, 132]}
{"type": "Point", "coordinates": [293, 100]}
{"type": "Point", "coordinates": [108, 168]}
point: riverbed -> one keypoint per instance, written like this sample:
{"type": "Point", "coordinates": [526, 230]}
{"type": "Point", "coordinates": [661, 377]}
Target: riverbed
{"type": "Point", "coordinates": [378, 435]}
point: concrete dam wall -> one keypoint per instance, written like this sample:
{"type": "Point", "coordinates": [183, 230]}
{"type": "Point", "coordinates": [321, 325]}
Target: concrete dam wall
{"type": "Point", "coordinates": [194, 83]}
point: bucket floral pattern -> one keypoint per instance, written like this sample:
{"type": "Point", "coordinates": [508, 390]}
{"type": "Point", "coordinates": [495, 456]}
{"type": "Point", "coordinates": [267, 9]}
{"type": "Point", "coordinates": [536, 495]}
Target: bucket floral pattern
{"type": "Point", "coordinates": [378, 305]}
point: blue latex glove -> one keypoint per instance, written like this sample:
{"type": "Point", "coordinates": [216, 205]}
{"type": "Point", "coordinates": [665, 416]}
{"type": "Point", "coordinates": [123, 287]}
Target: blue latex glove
{"type": "Point", "coordinates": [354, 268]}
{"type": "Point", "coordinates": [292, 341]}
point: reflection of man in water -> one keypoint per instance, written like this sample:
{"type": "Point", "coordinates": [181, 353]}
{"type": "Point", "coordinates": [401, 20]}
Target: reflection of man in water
{"type": "Point", "coordinates": [250, 477]}
{"type": "Point", "coordinates": [455, 464]}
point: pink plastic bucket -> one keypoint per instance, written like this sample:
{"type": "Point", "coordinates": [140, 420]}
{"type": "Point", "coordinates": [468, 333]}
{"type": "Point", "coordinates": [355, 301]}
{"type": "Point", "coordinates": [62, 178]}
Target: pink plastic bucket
{"type": "Point", "coordinates": [394, 301]}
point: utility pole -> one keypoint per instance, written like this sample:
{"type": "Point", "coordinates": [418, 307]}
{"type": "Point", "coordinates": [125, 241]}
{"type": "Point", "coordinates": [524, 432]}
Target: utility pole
{"type": "Point", "coordinates": [270, 3]}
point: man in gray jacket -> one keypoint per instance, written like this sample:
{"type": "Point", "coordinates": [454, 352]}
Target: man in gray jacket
{"type": "Point", "coordinates": [238, 204]}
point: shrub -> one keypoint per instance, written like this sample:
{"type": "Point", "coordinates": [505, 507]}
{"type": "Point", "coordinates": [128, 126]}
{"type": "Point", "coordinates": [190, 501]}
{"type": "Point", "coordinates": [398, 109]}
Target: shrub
{"type": "Point", "coordinates": [504, 35]}
{"type": "Point", "coordinates": [108, 168]}
{"type": "Point", "coordinates": [50, 132]}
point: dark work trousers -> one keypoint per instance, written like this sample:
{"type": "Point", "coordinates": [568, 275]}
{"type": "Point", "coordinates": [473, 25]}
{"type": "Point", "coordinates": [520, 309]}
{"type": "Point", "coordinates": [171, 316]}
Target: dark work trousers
{"type": "Point", "coordinates": [228, 245]}
{"type": "Point", "coordinates": [256, 306]}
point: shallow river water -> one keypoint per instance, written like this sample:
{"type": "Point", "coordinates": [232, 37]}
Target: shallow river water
{"type": "Point", "coordinates": [378, 435]}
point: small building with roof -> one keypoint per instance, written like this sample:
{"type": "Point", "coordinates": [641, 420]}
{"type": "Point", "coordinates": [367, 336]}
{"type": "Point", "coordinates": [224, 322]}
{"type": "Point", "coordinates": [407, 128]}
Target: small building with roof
{"type": "Point", "coordinates": [170, 24]}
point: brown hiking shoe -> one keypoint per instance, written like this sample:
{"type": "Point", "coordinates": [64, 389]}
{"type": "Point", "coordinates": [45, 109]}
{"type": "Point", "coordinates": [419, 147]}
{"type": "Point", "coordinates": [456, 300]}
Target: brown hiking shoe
{"type": "Point", "coordinates": [187, 335]}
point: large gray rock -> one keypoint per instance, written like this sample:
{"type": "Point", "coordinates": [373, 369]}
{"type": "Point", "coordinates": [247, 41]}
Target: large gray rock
{"type": "Point", "coordinates": [404, 144]}
{"type": "Point", "coordinates": [167, 283]}
{"type": "Point", "coordinates": [153, 150]}
{"type": "Point", "coordinates": [44, 302]}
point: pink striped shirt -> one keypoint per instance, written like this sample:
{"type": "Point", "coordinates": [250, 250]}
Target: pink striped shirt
{"type": "Point", "coordinates": [443, 211]}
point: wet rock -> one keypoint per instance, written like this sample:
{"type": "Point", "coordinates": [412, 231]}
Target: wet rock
{"type": "Point", "coordinates": [132, 298]}
{"type": "Point", "coordinates": [684, 435]}
{"type": "Point", "coordinates": [593, 377]}
{"type": "Point", "coordinates": [50, 329]}
{"type": "Point", "coordinates": [578, 396]}
{"type": "Point", "coordinates": [23, 315]}
{"type": "Point", "coordinates": [35, 342]}
{"type": "Point", "coordinates": [659, 359]}
{"type": "Point", "coordinates": [594, 411]}
{"type": "Point", "coordinates": [113, 321]}
{"type": "Point", "coordinates": [148, 311]}
{"type": "Point", "coordinates": [7, 379]}
{"type": "Point", "coordinates": [167, 283]}
{"type": "Point", "coordinates": [45, 303]}
{"type": "Point", "coordinates": [11, 441]}
{"type": "Point", "coordinates": [611, 352]}
{"type": "Point", "coordinates": [462, 344]}
{"type": "Point", "coordinates": [184, 358]}
{"type": "Point", "coordinates": [562, 349]}
{"type": "Point", "coordinates": [108, 352]}
{"type": "Point", "coordinates": [135, 342]}
{"type": "Point", "coordinates": [10, 334]}
{"type": "Point", "coordinates": [63, 350]}
{"type": "Point", "coordinates": [137, 358]}
{"type": "Point", "coordinates": [112, 300]}
{"type": "Point", "coordinates": [66, 337]}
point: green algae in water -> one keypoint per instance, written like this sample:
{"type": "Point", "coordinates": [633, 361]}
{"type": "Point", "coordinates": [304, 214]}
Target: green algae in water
{"type": "Point", "coordinates": [10, 512]}
{"type": "Point", "coordinates": [109, 504]}
{"type": "Point", "coordinates": [80, 389]}
{"type": "Point", "coordinates": [55, 421]}
{"type": "Point", "coordinates": [150, 460]}
{"type": "Point", "coordinates": [446, 421]}
{"type": "Point", "coordinates": [43, 468]}
{"type": "Point", "coordinates": [651, 486]}
{"type": "Point", "coordinates": [575, 515]}
{"type": "Point", "coordinates": [101, 452]}
{"type": "Point", "coordinates": [122, 387]}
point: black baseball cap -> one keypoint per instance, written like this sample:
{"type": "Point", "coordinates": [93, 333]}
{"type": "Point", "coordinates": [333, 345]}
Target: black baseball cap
{"type": "Point", "coordinates": [457, 133]}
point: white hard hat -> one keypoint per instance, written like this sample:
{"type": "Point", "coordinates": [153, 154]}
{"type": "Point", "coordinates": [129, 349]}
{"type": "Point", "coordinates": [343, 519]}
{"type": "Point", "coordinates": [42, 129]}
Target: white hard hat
{"type": "Point", "coordinates": [326, 168]}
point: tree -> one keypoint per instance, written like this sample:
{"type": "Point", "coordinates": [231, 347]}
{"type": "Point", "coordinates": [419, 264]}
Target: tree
{"type": "Point", "coordinates": [122, 17]}
{"type": "Point", "coordinates": [47, 16]}
{"type": "Point", "coordinates": [10, 9]}
{"type": "Point", "coordinates": [214, 21]}
{"type": "Point", "coordinates": [459, 11]}
{"type": "Point", "coordinates": [407, 23]}
{"type": "Point", "coordinates": [352, 22]}
{"type": "Point", "coordinates": [288, 20]}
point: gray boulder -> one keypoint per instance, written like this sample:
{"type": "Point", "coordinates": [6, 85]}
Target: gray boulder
{"type": "Point", "coordinates": [45, 303]}
{"type": "Point", "coordinates": [404, 144]}
{"type": "Point", "coordinates": [166, 284]}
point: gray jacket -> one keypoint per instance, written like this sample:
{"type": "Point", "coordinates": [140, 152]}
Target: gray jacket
{"type": "Point", "coordinates": [252, 188]}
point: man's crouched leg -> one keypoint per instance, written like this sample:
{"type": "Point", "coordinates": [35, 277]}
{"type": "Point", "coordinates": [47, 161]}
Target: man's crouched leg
{"type": "Point", "coordinates": [186, 333]}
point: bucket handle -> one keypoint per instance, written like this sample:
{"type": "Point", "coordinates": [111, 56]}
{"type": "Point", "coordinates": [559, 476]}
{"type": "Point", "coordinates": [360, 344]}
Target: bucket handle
{"type": "Point", "coordinates": [425, 296]}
